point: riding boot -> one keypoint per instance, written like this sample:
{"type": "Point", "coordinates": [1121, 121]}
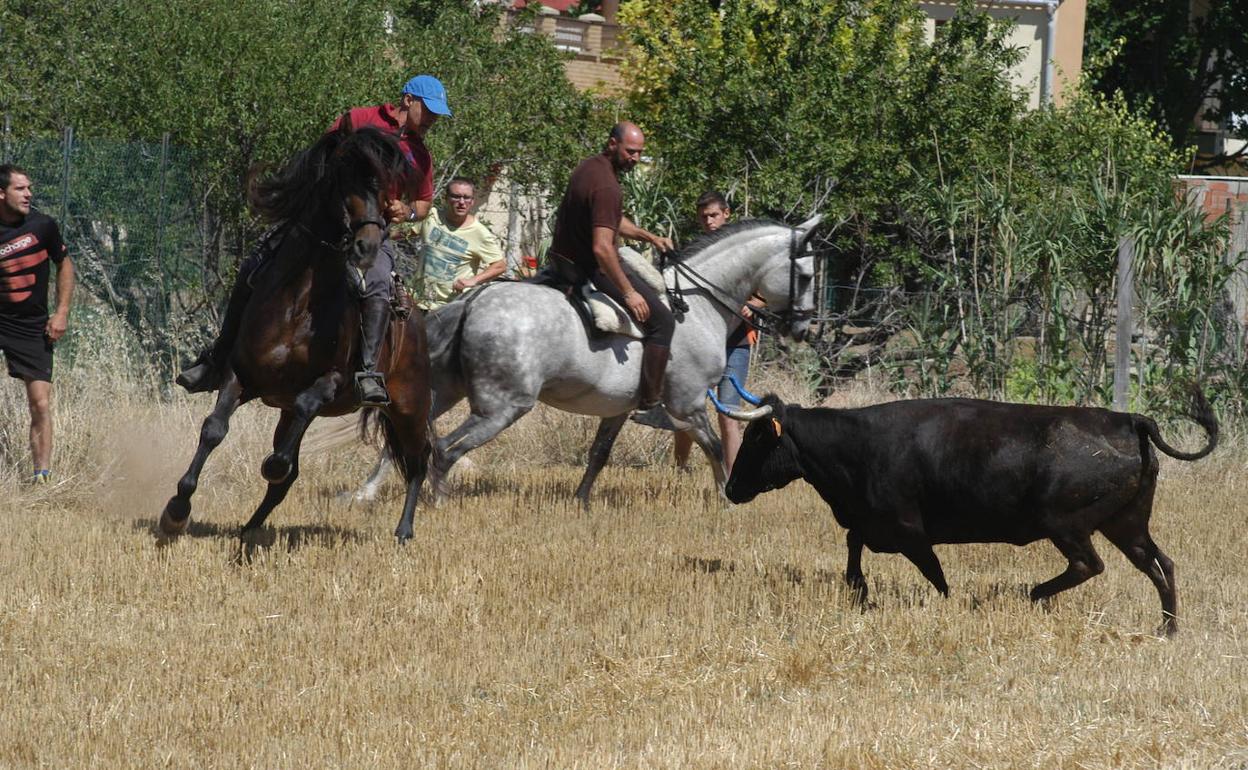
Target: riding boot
{"type": "Point", "coordinates": [374, 319]}
{"type": "Point", "coordinates": [204, 373]}
{"type": "Point", "coordinates": [653, 366]}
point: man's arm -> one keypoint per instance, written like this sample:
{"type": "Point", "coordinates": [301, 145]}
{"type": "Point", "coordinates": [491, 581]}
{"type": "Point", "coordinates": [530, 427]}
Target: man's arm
{"type": "Point", "coordinates": [609, 260]}
{"type": "Point", "coordinates": [631, 232]}
{"type": "Point", "coordinates": [397, 211]}
{"type": "Point", "coordinates": [494, 270]}
{"type": "Point", "coordinates": [59, 320]}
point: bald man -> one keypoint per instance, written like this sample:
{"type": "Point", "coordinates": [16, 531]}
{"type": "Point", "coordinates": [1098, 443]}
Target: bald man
{"type": "Point", "coordinates": [589, 219]}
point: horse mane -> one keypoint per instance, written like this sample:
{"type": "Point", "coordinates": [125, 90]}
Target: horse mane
{"type": "Point", "coordinates": [706, 240]}
{"type": "Point", "coordinates": [365, 160]}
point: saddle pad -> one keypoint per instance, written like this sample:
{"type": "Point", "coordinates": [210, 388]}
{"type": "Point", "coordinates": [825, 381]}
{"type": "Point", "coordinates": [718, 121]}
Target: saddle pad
{"type": "Point", "coordinates": [608, 316]}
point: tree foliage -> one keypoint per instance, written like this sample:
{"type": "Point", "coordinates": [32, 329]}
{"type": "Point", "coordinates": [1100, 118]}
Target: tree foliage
{"type": "Point", "coordinates": [972, 238]}
{"type": "Point", "coordinates": [1167, 62]}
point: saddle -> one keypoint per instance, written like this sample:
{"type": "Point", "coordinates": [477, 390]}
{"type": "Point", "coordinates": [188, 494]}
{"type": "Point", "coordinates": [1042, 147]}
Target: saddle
{"type": "Point", "coordinates": [602, 314]}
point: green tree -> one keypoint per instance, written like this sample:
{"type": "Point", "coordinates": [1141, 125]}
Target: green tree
{"type": "Point", "coordinates": [1168, 60]}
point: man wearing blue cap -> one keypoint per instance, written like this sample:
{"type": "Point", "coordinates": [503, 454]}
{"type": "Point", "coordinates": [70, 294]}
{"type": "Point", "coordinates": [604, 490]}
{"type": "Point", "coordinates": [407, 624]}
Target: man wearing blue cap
{"type": "Point", "coordinates": [423, 100]}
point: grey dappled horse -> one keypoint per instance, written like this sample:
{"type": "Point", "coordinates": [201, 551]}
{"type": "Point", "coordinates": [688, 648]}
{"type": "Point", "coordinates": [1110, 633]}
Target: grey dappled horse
{"type": "Point", "coordinates": [509, 345]}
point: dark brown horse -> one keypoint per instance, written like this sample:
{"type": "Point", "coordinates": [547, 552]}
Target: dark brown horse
{"type": "Point", "coordinates": [299, 335]}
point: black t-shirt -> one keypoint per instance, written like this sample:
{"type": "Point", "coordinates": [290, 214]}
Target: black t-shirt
{"type": "Point", "coordinates": [593, 199]}
{"type": "Point", "coordinates": [25, 251]}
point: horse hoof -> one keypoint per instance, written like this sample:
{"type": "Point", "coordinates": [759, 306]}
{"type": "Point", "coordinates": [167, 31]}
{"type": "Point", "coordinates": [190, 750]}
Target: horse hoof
{"type": "Point", "coordinates": [175, 518]}
{"type": "Point", "coordinates": [260, 537]}
{"type": "Point", "coordinates": [275, 468]}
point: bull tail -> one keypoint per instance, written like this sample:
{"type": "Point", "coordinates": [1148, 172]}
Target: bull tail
{"type": "Point", "coordinates": [1202, 414]}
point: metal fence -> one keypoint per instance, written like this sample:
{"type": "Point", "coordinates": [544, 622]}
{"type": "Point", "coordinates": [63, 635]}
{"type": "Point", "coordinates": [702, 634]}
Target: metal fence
{"type": "Point", "coordinates": [134, 219]}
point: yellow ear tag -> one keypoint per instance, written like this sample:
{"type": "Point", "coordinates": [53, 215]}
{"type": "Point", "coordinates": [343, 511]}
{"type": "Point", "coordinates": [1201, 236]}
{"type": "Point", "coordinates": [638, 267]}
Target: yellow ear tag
{"type": "Point", "coordinates": [776, 424]}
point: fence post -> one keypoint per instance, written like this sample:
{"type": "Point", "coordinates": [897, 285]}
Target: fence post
{"type": "Point", "coordinates": [513, 228]}
{"type": "Point", "coordinates": [69, 149]}
{"type": "Point", "coordinates": [1122, 349]}
{"type": "Point", "coordinates": [160, 206]}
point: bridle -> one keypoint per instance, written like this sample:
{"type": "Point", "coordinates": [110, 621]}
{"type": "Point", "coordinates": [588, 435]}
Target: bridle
{"type": "Point", "coordinates": [761, 318]}
{"type": "Point", "coordinates": [348, 234]}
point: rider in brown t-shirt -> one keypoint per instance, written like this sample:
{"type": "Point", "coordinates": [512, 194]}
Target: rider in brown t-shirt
{"type": "Point", "coordinates": [586, 225]}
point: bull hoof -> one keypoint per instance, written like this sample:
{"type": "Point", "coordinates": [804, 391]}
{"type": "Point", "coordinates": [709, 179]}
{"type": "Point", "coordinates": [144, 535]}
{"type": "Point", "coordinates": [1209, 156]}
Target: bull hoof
{"type": "Point", "coordinates": [275, 468]}
{"type": "Point", "coordinates": [1169, 627]}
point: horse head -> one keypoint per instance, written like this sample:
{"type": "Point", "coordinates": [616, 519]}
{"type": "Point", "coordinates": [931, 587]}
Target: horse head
{"type": "Point", "coordinates": [788, 282]}
{"type": "Point", "coordinates": [335, 190]}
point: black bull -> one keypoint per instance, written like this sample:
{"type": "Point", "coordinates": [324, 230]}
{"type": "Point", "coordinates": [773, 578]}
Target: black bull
{"type": "Point", "coordinates": [903, 476]}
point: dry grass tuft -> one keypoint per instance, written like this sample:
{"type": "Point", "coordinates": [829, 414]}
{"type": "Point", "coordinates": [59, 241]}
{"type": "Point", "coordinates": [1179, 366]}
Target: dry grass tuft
{"type": "Point", "coordinates": [659, 629]}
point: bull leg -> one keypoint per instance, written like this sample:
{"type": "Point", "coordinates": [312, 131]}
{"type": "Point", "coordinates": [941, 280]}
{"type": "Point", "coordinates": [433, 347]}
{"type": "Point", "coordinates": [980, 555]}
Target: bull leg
{"type": "Point", "coordinates": [854, 578]}
{"type": "Point", "coordinates": [1083, 564]}
{"type": "Point", "coordinates": [706, 438]}
{"type": "Point", "coordinates": [286, 443]}
{"type": "Point", "coordinates": [599, 453]}
{"type": "Point", "coordinates": [923, 557]}
{"type": "Point", "coordinates": [1129, 532]}
{"type": "Point", "coordinates": [177, 513]}
{"type": "Point", "coordinates": [277, 489]}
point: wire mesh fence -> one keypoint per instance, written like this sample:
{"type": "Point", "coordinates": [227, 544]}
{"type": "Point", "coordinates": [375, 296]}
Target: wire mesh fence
{"type": "Point", "coordinates": [134, 218]}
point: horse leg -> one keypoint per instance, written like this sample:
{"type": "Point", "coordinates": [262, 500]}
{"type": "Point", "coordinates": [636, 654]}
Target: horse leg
{"type": "Point", "coordinates": [407, 439]}
{"type": "Point", "coordinates": [599, 453]}
{"type": "Point", "coordinates": [368, 490]}
{"type": "Point", "coordinates": [286, 443]}
{"type": "Point", "coordinates": [443, 400]}
{"type": "Point", "coordinates": [177, 513]}
{"type": "Point", "coordinates": [478, 429]}
{"type": "Point", "coordinates": [705, 436]}
{"type": "Point", "coordinates": [277, 489]}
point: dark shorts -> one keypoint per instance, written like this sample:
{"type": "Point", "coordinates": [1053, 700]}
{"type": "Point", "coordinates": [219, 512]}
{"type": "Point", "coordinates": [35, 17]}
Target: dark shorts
{"type": "Point", "coordinates": [27, 349]}
{"type": "Point", "coordinates": [739, 366]}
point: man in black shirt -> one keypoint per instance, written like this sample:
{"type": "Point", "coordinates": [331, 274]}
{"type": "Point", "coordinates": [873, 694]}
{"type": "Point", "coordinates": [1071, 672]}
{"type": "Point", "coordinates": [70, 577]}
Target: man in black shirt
{"type": "Point", "coordinates": [586, 225]}
{"type": "Point", "coordinates": [29, 241]}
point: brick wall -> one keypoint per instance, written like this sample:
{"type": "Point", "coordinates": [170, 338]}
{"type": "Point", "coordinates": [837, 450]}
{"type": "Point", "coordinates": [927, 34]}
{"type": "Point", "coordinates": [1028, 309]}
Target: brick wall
{"type": "Point", "coordinates": [1217, 195]}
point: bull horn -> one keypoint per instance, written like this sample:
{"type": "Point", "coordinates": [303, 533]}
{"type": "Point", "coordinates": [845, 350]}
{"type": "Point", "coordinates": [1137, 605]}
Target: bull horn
{"type": "Point", "coordinates": [747, 395]}
{"type": "Point", "coordinates": [737, 414]}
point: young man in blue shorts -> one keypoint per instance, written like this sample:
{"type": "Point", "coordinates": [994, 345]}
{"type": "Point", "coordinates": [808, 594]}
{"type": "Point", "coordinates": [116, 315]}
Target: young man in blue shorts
{"type": "Point", "coordinates": [713, 213]}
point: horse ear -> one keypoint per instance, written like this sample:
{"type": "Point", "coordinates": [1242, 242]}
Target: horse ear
{"type": "Point", "coordinates": [809, 225]}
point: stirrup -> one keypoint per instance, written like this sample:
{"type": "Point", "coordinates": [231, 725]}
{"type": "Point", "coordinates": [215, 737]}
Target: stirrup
{"type": "Point", "coordinates": [379, 395]}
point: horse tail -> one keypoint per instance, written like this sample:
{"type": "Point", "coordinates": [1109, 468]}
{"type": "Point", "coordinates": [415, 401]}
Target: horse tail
{"type": "Point", "coordinates": [444, 329]}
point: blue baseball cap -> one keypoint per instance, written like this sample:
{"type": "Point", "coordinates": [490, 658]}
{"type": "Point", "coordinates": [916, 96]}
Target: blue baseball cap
{"type": "Point", "coordinates": [429, 90]}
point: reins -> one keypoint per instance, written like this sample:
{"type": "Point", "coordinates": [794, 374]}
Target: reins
{"type": "Point", "coordinates": [763, 319]}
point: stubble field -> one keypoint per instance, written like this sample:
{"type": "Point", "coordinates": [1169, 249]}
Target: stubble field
{"type": "Point", "coordinates": [658, 629]}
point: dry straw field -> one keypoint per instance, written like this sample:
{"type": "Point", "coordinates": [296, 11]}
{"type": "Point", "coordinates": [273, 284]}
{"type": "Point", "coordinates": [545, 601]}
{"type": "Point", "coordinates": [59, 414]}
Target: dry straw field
{"type": "Point", "coordinates": [659, 629]}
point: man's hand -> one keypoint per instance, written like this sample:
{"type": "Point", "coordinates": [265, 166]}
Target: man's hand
{"type": "Point", "coordinates": [663, 244]}
{"type": "Point", "coordinates": [57, 325]}
{"type": "Point", "coordinates": [637, 306]}
{"type": "Point", "coordinates": [397, 211]}
{"type": "Point", "coordinates": [461, 284]}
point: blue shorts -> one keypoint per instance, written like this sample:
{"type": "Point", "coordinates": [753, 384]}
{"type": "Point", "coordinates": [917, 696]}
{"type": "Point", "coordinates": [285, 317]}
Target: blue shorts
{"type": "Point", "coordinates": [739, 366]}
